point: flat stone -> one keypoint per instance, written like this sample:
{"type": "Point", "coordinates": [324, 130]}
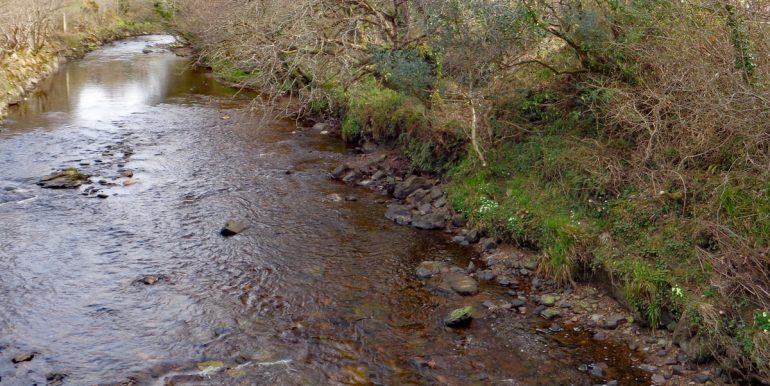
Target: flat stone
{"type": "Point", "coordinates": [428, 269]}
{"type": "Point", "coordinates": [429, 221]}
{"type": "Point", "coordinates": [701, 378]}
{"type": "Point", "coordinates": [658, 379]}
{"type": "Point", "coordinates": [518, 302]}
{"type": "Point", "coordinates": [210, 365]}
{"type": "Point", "coordinates": [461, 283]}
{"type": "Point", "coordinates": [486, 275]}
{"type": "Point", "coordinates": [400, 214]}
{"type": "Point", "coordinates": [647, 367]}
{"type": "Point", "coordinates": [232, 228]}
{"type": "Point", "coordinates": [600, 336]}
{"type": "Point", "coordinates": [613, 321]}
{"type": "Point", "coordinates": [459, 317]}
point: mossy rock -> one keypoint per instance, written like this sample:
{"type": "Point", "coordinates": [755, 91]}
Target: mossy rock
{"type": "Point", "coordinates": [69, 178]}
{"type": "Point", "coordinates": [460, 317]}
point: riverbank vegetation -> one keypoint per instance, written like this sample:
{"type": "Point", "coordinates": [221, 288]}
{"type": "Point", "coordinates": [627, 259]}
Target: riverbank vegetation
{"type": "Point", "coordinates": [34, 34]}
{"type": "Point", "coordinates": [625, 139]}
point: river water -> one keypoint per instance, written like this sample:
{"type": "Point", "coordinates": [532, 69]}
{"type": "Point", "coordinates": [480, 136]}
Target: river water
{"type": "Point", "coordinates": [316, 291]}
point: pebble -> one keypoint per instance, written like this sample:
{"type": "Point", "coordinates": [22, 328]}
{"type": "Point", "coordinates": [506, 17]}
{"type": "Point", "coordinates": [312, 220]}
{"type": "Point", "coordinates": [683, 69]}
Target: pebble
{"type": "Point", "coordinates": [658, 379]}
{"type": "Point", "coordinates": [702, 378]}
{"type": "Point", "coordinates": [648, 367]}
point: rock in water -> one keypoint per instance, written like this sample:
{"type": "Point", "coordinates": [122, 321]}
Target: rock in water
{"type": "Point", "coordinates": [462, 283]}
{"type": "Point", "coordinates": [23, 357]}
{"type": "Point", "coordinates": [428, 269]}
{"type": "Point", "coordinates": [459, 317]}
{"type": "Point", "coordinates": [401, 214]}
{"type": "Point", "coordinates": [232, 228]}
{"type": "Point", "coordinates": [69, 178]}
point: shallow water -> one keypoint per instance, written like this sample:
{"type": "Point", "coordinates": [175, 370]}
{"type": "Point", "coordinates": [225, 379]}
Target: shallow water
{"type": "Point", "coordinates": [314, 292]}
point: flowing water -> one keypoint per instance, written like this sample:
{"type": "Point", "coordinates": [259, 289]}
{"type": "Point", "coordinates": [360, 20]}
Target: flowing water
{"type": "Point", "coordinates": [316, 290]}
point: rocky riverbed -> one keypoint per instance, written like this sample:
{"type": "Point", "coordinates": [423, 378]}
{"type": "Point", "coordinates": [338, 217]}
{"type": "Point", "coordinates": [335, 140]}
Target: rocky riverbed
{"type": "Point", "coordinates": [420, 202]}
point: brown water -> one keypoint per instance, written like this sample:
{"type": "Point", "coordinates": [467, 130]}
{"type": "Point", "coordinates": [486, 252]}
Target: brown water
{"type": "Point", "coordinates": [314, 292]}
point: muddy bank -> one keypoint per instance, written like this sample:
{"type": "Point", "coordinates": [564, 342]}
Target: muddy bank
{"type": "Point", "coordinates": [592, 314]}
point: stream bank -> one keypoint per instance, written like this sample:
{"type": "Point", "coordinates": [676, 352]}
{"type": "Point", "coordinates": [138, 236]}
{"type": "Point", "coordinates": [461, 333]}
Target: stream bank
{"type": "Point", "coordinates": [421, 202]}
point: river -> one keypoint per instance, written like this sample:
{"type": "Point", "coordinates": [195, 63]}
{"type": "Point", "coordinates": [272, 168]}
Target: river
{"type": "Point", "coordinates": [315, 291]}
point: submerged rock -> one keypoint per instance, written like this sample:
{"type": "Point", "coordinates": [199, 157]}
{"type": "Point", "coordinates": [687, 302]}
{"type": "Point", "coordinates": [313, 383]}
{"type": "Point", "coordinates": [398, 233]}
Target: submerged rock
{"type": "Point", "coordinates": [462, 283]}
{"type": "Point", "coordinates": [69, 178]}
{"type": "Point", "coordinates": [232, 228]}
{"type": "Point", "coordinates": [459, 317]}
{"type": "Point", "coordinates": [428, 269]}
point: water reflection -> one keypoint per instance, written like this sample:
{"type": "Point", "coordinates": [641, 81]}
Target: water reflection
{"type": "Point", "coordinates": [105, 86]}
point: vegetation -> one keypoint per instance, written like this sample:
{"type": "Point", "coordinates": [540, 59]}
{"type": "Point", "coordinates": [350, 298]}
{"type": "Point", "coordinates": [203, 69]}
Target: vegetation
{"type": "Point", "coordinates": [623, 137]}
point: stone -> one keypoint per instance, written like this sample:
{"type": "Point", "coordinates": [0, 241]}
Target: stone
{"type": "Point", "coordinates": [321, 126]}
{"type": "Point", "coordinates": [612, 321]}
{"type": "Point", "coordinates": [658, 379]}
{"type": "Point", "coordinates": [429, 221]}
{"type": "Point", "coordinates": [440, 203]}
{"type": "Point", "coordinates": [530, 264]}
{"type": "Point", "coordinates": [648, 368]}
{"type": "Point", "coordinates": [55, 379]}
{"type": "Point", "coordinates": [128, 173]}
{"type": "Point", "coordinates": [149, 280]}
{"type": "Point", "coordinates": [351, 176]}
{"type": "Point", "coordinates": [459, 317]}
{"type": "Point", "coordinates": [425, 209]}
{"type": "Point", "coordinates": [400, 214]}
{"type": "Point", "coordinates": [23, 357]}
{"type": "Point", "coordinates": [471, 268]}
{"type": "Point", "coordinates": [701, 378]}
{"type": "Point", "coordinates": [488, 304]}
{"type": "Point", "coordinates": [600, 336]}
{"type": "Point", "coordinates": [232, 228]}
{"type": "Point", "coordinates": [458, 220]}
{"type": "Point", "coordinates": [548, 300]}
{"type": "Point", "coordinates": [66, 179]}
{"type": "Point", "coordinates": [339, 171]}
{"type": "Point", "coordinates": [408, 186]}
{"type": "Point", "coordinates": [518, 302]}
{"type": "Point", "coordinates": [596, 370]}
{"type": "Point", "coordinates": [488, 245]}
{"type": "Point", "coordinates": [486, 275]}
{"type": "Point", "coordinates": [550, 313]}
{"type": "Point", "coordinates": [210, 365]}
{"type": "Point", "coordinates": [461, 283]}
{"type": "Point", "coordinates": [378, 175]}
{"type": "Point", "coordinates": [103, 195]}
{"type": "Point", "coordinates": [428, 269]}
